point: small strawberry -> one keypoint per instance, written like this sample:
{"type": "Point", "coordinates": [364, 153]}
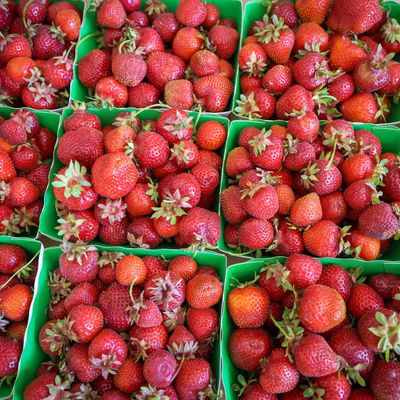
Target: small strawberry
{"type": "Point", "coordinates": [93, 67]}
{"type": "Point", "coordinates": [277, 79]}
{"type": "Point", "coordinates": [224, 39]}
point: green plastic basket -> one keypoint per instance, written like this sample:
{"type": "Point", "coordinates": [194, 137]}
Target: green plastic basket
{"type": "Point", "coordinates": [245, 272]}
{"type": "Point", "coordinates": [31, 247]}
{"type": "Point", "coordinates": [254, 10]}
{"type": "Point", "coordinates": [48, 219]}
{"type": "Point", "coordinates": [228, 8]}
{"type": "Point", "coordinates": [48, 119]}
{"type": "Point", "coordinates": [388, 135]}
{"type": "Point", "coordinates": [33, 356]}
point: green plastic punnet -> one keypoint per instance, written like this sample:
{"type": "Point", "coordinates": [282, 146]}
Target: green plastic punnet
{"type": "Point", "coordinates": [245, 272]}
{"type": "Point", "coordinates": [48, 219]}
{"type": "Point", "coordinates": [389, 136]}
{"type": "Point", "coordinates": [32, 248]}
{"type": "Point", "coordinates": [33, 356]}
{"type": "Point", "coordinates": [89, 40]}
{"type": "Point", "coordinates": [254, 10]}
{"type": "Point", "coordinates": [48, 119]}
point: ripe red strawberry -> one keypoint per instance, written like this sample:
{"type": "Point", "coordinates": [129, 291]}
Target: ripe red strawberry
{"type": "Point", "coordinates": [296, 98]}
{"type": "Point", "coordinates": [255, 234]}
{"type": "Point", "coordinates": [13, 132]}
{"type": "Point", "coordinates": [202, 323]}
{"type": "Point", "coordinates": [357, 167]}
{"type": "Point", "coordinates": [146, 340]}
{"type": "Point", "coordinates": [342, 87]}
{"type": "Point", "coordinates": [111, 14]}
{"type": "Point", "coordinates": [10, 355]}
{"type": "Point", "coordinates": [279, 374]}
{"type": "Point", "coordinates": [224, 39]}
{"type": "Point", "coordinates": [15, 302]}
{"type": "Point", "coordinates": [142, 95]}
{"type": "Point", "coordinates": [346, 343]}
{"type": "Point", "coordinates": [362, 299]}
{"type": "Point", "coordinates": [277, 40]}
{"type": "Point", "coordinates": [111, 92]}
{"type": "Point", "coordinates": [259, 103]}
{"type": "Point", "coordinates": [193, 377]}
{"type": "Point", "coordinates": [191, 13]}
{"type": "Point", "coordinates": [323, 239]}
{"type": "Point", "coordinates": [342, 18]}
{"type": "Point", "coordinates": [304, 270]}
{"type": "Point", "coordinates": [93, 67]}
{"type": "Point", "coordinates": [84, 293]}
{"type": "Point", "coordinates": [151, 150]}
{"type": "Point", "coordinates": [18, 46]}
{"type": "Point", "coordinates": [379, 221]}
{"type": "Point", "coordinates": [107, 351]}
{"type": "Point", "coordinates": [46, 43]}
{"type": "Point", "coordinates": [384, 380]}
{"type": "Point", "coordinates": [256, 392]}
{"type": "Point", "coordinates": [166, 26]}
{"type": "Point", "coordinates": [77, 359]}
{"type": "Point", "coordinates": [337, 278]}
{"type": "Point", "coordinates": [25, 157]}
{"type": "Point", "coordinates": [203, 291]}
{"type": "Point", "coordinates": [252, 59]}
{"type": "Point", "coordinates": [39, 387]}
{"type": "Point", "coordinates": [308, 353]}
{"type": "Point", "coordinates": [128, 69]}
{"type": "Point", "coordinates": [160, 360]}
{"type": "Point", "coordinates": [307, 210]}
{"type": "Point", "coordinates": [7, 14]}
{"type": "Point", "coordinates": [179, 94]}
{"type": "Point", "coordinates": [334, 385]}
{"type": "Point", "coordinates": [310, 11]}
{"type": "Point", "coordinates": [243, 299]}
{"type": "Point", "coordinates": [277, 80]}
{"type": "Point", "coordinates": [383, 284]}
{"type": "Point", "coordinates": [248, 346]}
{"type": "Point", "coordinates": [163, 67]}
{"type": "Point", "coordinates": [129, 378]}
{"type": "Point", "coordinates": [7, 171]}
{"type": "Point", "coordinates": [45, 141]}
{"type": "Point", "coordinates": [361, 107]}
{"type": "Point", "coordinates": [12, 258]}
{"type": "Point", "coordinates": [232, 208]}
{"type": "Point", "coordinates": [214, 92]}
{"type": "Point", "coordinates": [19, 192]}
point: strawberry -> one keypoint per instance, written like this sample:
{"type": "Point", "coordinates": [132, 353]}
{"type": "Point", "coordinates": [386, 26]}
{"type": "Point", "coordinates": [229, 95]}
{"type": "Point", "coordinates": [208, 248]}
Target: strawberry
{"type": "Point", "coordinates": [384, 380]}
{"type": "Point", "coordinates": [129, 378]}
{"type": "Point", "coordinates": [258, 103]}
{"type": "Point", "coordinates": [321, 308]}
{"type": "Point", "coordinates": [231, 205]}
{"type": "Point", "coordinates": [341, 18]}
{"type": "Point", "coordinates": [266, 150]}
{"type": "Point", "coordinates": [344, 53]}
{"type": "Point", "coordinates": [357, 167]}
{"type": "Point", "coordinates": [310, 11]}
{"type": "Point", "coordinates": [7, 14]}
{"type": "Point", "coordinates": [248, 346]}
{"type": "Point", "coordinates": [191, 13]}
{"type": "Point", "coordinates": [379, 221]}
{"type": "Point", "coordinates": [308, 353]}
{"type": "Point", "coordinates": [286, 10]}
{"type": "Point", "coordinates": [47, 43]}
{"type": "Point", "coordinates": [107, 351]}
{"type": "Point", "coordinates": [128, 69]}
{"type": "Point", "coordinates": [15, 302]}
{"type": "Point", "coordinates": [130, 269]}
{"type": "Point", "coordinates": [179, 94]}
{"type": "Point", "coordinates": [277, 80]}
{"type": "Point", "coordinates": [19, 68]}
{"type": "Point", "coordinates": [202, 323]}
{"type": "Point", "coordinates": [224, 39]}
{"type": "Point", "coordinates": [256, 392]}
{"type": "Point", "coordinates": [193, 377]}
{"type": "Point", "coordinates": [77, 359]}
{"type": "Point", "coordinates": [322, 239]}
{"type": "Point", "coordinates": [383, 284]}
{"type": "Point", "coordinates": [45, 142]}
{"type": "Point", "coordinates": [93, 67]}
{"type": "Point", "coordinates": [83, 145]}
{"type": "Point", "coordinates": [159, 368]}
{"type": "Point", "coordinates": [187, 42]}
{"type": "Point", "coordinates": [362, 299]}
{"type": "Point", "coordinates": [25, 157]}
{"type": "Point", "coordinates": [114, 395]}
{"type": "Point", "coordinates": [393, 83]}
{"type": "Point", "coordinates": [78, 263]}
{"type": "Point", "coordinates": [214, 92]}
{"type": "Point", "coordinates": [14, 46]}
{"type": "Point", "coordinates": [142, 95]}
{"type": "Point", "coordinates": [111, 92]}
{"type": "Point", "coordinates": [208, 287]}
{"type": "Point", "coordinates": [365, 247]}
{"type": "Point", "coordinates": [342, 87]}
{"type": "Point", "coordinates": [249, 83]}
{"type": "Point", "coordinates": [84, 293]}
{"type": "Point", "coordinates": [39, 387]}
{"type": "Point", "coordinates": [146, 340]}
{"type": "Point", "coordinates": [298, 155]}
{"type": "Point", "coordinates": [212, 16]}
{"type": "Point", "coordinates": [295, 98]}
{"type": "Point", "coordinates": [175, 125]}
{"type": "Point", "coordinates": [166, 26]}
{"type": "Point", "coordinates": [252, 59]}
{"type": "Point", "coordinates": [12, 258]}
{"type": "Point", "coordinates": [72, 187]}
{"type": "Point", "coordinates": [114, 175]}
{"type": "Point", "coordinates": [151, 150]}
{"type": "Point", "coordinates": [361, 107]}
{"type": "Point", "coordinates": [346, 343]}
{"type": "Point", "coordinates": [113, 302]}
{"type": "Point", "coordinates": [19, 192]}
{"type": "Point", "coordinates": [7, 171]}
{"type": "Point", "coordinates": [69, 22]}
{"type": "Point", "coordinates": [255, 233]}
{"type": "Point", "coordinates": [304, 126]}
{"type": "Point", "coordinates": [245, 298]}
{"type": "Point", "coordinates": [277, 40]}
{"type": "Point", "coordinates": [279, 375]}
{"type": "Point", "coordinates": [290, 241]}
{"type": "Point", "coordinates": [13, 132]}
{"type": "Point", "coordinates": [304, 270]}
{"type": "Point", "coordinates": [111, 14]}
{"type": "Point", "coordinates": [334, 385]}
{"type": "Point", "coordinates": [163, 67]}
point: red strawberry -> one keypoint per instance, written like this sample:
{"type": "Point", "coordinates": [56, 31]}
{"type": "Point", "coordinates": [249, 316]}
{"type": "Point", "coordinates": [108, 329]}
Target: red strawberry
{"type": "Point", "coordinates": [304, 270]}
{"type": "Point", "coordinates": [361, 107]}
{"type": "Point", "coordinates": [46, 43]}
{"type": "Point", "coordinates": [191, 13]}
{"type": "Point", "coordinates": [128, 69]}
{"type": "Point", "coordinates": [383, 284]}
{"type": "Point", "coordinates": [337, 278]}
{"type": "Point", "coordinates": [259, 103]}
{"type": "Point", "coordinates": [256, 392]}
{"type": "Point", "coordinates": [129, 378]}
{"type": "Point", "coordinates": [308, 353]}
{"type": "Point", "coordinates": [295, 98]}
{"type": "Point", "coordinates": [19, 192]}
{"type": "Point", "coordinates": [14, 46]}
{"type": "Point", "coordinates": [45, 141]}
{"type": "Point", "coordinates": [39, 387]}
{"type": "Point", "coordinates": [179, 94]}
{"type": "Point", "coordinates": [342, 87]}
{"type": "Point", "coordinates": [277, 79]}
{"type": "Point", "coordinates": [344, 53]}
{"type": "Point", "coordinates": [334, 386]}
{"type": "Point", "coordinates": [362, 299]}
{"type": "Point", "coordinates": [224, 39]}
{"type": "Point", "coordinates": [111, 92]}
{"type": "Point", "coordinates": [202, 323]}
{"type": "Point", "coordinates": [77, 359]}
{"type": "Point", "coordinates": [111, 14]}
{"type": "Point", "coordinates": [7, 167]}
{"type": "Point", "coordinates": [10, 355]}
{"type": "Point", "coordinates": [13, 132]}
{"type": "Point", "coordinates": [84, 293]}
{"type": "Point", "coordinates": [93, 67]}
{"type": "Point", "coordinates": [255, 234]}
{"type": "Point", "coordinates": [159, 368]}
{"type": "Point", "coordinates": [146, 340]}
{"type": "Point", "coordinates": [384, 380]}
{"type": "Point", "coordinates": [166, 25]}
{"type": "Point", "coordinates": [323, 239]}
{"type": "Point", "coordinates": [310, 11]}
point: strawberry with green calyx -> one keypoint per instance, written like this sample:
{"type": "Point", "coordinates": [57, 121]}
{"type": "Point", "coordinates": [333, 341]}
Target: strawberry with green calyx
{"type": "Point", "coordinates": [391, 35]}
{"type": "Point", "coordinates": [155, 7]}
{"type": "Point", "coordinates": [59, 286]}
{"type": "Point", "coordinates": [339, 134]}
{"type": "Point", "coordinates": [325, 103]}
{"type": "Point", "coordinates": [185, 154]}
{"type": "Point", "coordinates": [108, 211]}
{"type": "Point", "coordinates": [276, 38]}
{"type": "Point", "coordinates": [53, 338]}
{"type": "Point", "coordinates": [175, 125]}
{"type": "Point", "coordinates": [303, 125]}
{"type": "Point", "coordinates": [143, 313]}
{"type": "Point", "coordinates": [173, 318]}
{"type": "Point", "coordinates": [73, 188]}
{"type": "Point", "coordinates": [252, 59]}
{"type": "Point", "coordinates": [258, 104]}
{"type": "Point", "coordinates": [182, 344]}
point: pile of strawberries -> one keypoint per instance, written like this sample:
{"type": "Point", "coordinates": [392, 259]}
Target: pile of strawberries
{"type": "Point", "coordinates": [308, 60]}
{"type": "Point", "coordinates": [337, 338]}
{"type": "Point", "coordinates": [36, 52]}
{"type": "Point", "coordinates": [17, 277]}
{"type": "Point", "coordinates": [330, 192]}
{"type": "Point", "coordinates": [120, 325]}
{"type": "Point", "coordinates": [26, 150]}
{"type": "Point", "coordinates": [183, 58]}
{"type": "Point", "coordinates": [139, 181]}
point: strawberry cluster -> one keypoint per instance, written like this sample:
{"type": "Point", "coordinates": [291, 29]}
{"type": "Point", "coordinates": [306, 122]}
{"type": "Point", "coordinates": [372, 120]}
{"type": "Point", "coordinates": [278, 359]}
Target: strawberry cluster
{"type": "Point", "coordinates": [120, 325]}
{"type": "Point", "coordinates": [183, 58]}
{"type": "Point", "coordinates": [330, 192]}
{"type": "Point", "coordinates": [26, 149]}
{"type": "Point", "coordinates": [36, 44]}
{"type": "Point", "coordinates": [17, 276]}
{"type": "Point", "coordinates": [306, 60]}
{"type": "Point", "coordinates": [139, 181]}
{"type": "Point", "coordinates": [337, 338]}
